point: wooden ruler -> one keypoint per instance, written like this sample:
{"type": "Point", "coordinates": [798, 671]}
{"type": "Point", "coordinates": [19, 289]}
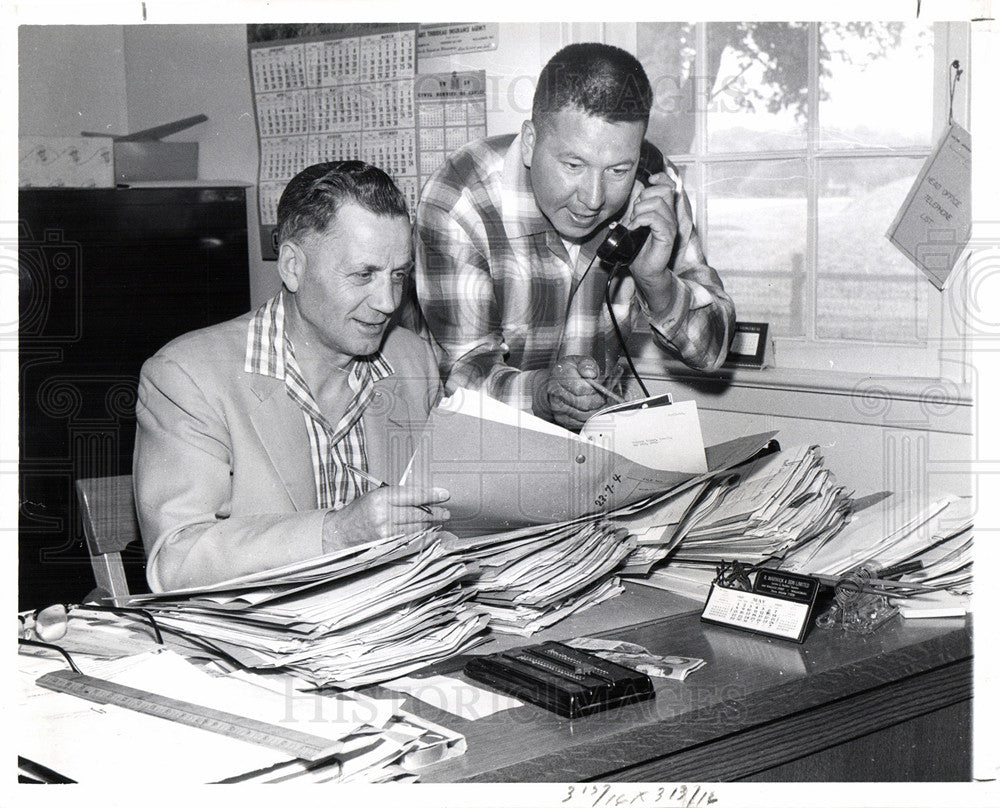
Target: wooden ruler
{"type": "Point", "coordinates": [273, 736]}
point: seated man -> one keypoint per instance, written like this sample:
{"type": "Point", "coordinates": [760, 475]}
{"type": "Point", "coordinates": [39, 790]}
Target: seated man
{"type": "Point", "coordinates": [508, 228]}
{"type": "Point", "coordinates": [257, 438]}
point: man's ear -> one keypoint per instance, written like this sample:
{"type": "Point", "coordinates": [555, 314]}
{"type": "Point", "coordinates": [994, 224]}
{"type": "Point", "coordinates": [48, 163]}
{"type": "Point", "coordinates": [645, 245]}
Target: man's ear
{"type": "Point", "coordinates": [291, 264]}
{"type": "Point", "coordinates": [527, 142]}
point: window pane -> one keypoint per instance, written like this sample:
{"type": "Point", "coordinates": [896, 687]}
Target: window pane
{"type": "Point", "coordinates": [876, 84]}
{"type": "Point", "coordinates": [666, 50]}
{"type": "Point", "coordinates": [757, 239]}
{"type": "Point", "coordinates": [866, 289]}
{"type": "Point", "coordinates": [757, 86]}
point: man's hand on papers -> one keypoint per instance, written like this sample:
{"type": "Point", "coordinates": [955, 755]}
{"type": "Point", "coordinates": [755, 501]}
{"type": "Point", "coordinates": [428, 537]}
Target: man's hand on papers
{"type": "Point", "coordinates": [384, 512]}
{"type": "Point", "coordinates": [564, 395]}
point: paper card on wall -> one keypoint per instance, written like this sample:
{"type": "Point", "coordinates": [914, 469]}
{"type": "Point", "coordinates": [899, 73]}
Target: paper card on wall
{"type": "Point", "coordinates": [932, 227]}
{"type": "Point", "coordinates": [447, 38]}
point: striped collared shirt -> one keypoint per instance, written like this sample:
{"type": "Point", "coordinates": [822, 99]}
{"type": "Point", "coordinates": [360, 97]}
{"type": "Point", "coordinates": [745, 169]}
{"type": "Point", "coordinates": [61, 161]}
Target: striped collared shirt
{"type": "Point", "coordinates": [334, 448]}
{"type": "Point", "coordinates": [503, 297]}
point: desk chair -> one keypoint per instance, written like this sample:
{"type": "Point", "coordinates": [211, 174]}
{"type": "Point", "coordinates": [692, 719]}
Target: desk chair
{"type": "Point", "coordinates": [107, 509]}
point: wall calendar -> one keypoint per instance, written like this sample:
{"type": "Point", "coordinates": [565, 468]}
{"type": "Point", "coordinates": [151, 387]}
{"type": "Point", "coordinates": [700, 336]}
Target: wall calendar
{"type": "Point", "coordinates": [352, 92]}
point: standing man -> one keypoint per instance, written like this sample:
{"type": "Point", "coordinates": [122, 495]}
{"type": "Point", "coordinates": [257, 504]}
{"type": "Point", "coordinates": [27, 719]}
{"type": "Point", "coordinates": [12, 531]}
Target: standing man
{"type": "Point", "coordinates": [507, 232]}
{"type": "Point", "coordinates": [257, 438]}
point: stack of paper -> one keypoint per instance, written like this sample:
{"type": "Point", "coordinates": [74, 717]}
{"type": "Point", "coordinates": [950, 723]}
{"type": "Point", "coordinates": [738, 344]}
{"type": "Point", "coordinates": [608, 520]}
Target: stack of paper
{"type": "Point", "coordinates": [534, 576]}
{"type": "Point", "coordinates": [906, 538]}
{"type": "Point", "coordinates": [366, 614]}
{"type": "Point", "coordinates": [530, 578]}
{"type": "Point", "coordinates": [660, 526]}
{"type": "Point", "coordinates": [765, 508]}
{"type": "Point", "coordinates": [899, 528]}
{"type": "Point", "coordinates": [688, 580]}
{"type": "Point", "coordinates": [757, 512]}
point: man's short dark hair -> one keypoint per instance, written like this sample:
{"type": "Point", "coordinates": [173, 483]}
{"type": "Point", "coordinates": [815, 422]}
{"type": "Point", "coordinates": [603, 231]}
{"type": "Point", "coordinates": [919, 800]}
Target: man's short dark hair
{"type": "Point", "coordinates": [312, 197]}
{"type": "Point", "coordinates": [599, 79]}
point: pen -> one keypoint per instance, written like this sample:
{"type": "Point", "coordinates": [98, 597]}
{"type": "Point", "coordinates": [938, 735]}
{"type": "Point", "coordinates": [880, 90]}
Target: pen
{"type": "Point", "coordinates": [604, 391]}
{"type": "Point", "coordinates": [904, 568]}
{"type": "Point", "coordinates": [380, 483]}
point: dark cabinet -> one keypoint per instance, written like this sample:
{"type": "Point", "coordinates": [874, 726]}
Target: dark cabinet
{"type": "Point", "coordinates": [106, 277]}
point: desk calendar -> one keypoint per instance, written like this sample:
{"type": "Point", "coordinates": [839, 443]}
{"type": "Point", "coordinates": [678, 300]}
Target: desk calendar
{"type": "Point", "coordinates": [352, 93]}
{"type": "Point", "coordinates": [778, 605]}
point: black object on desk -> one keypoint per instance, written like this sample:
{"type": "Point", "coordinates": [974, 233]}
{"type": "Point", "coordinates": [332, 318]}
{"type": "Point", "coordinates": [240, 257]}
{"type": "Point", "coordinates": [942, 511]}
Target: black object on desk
{"type": "Point", "coordinates": [564, 680]}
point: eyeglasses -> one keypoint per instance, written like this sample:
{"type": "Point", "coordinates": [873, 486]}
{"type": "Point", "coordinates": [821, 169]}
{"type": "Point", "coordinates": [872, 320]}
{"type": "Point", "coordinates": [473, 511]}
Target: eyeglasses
{"type": "Point", "coordinates": [41, 628]}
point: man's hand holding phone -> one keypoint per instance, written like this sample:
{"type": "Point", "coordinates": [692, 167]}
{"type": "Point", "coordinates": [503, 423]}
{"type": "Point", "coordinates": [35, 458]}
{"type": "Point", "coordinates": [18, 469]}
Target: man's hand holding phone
{"type": "Point", "coordinates": [658, 207]}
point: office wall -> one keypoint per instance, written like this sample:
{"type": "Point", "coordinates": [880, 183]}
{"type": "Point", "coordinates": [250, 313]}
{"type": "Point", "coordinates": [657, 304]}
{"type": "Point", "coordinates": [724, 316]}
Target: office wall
{"type": "Point", "coordinates": [873, 440]}
{"type": "Point", "coordinates": [71, 79]}
{"type": "Point", "coordinates": [125, 78]}
{"type": "Point", "coordinates": [175, 71]}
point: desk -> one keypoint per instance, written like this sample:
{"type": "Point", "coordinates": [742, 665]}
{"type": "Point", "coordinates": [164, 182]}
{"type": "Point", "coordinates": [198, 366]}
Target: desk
{"type": "Point", "coordinates": [894, 705]}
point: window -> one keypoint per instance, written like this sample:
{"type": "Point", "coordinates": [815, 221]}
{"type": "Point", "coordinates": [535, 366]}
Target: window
{"type": "Point", "coordinates": [798, 143]}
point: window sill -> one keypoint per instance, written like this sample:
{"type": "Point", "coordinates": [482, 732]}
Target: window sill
{"type": "Point", "coordinates": [813, 381]}
{"type": "Point", "coordinates": [936, 404]}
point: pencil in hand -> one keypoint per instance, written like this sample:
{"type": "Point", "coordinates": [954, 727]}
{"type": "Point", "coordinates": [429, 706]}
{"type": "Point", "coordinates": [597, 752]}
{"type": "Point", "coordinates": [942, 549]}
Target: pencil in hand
{"type": "Point", "coordinates": [604, 391]}
{"type": "Point", "coordinates": [364, 475]}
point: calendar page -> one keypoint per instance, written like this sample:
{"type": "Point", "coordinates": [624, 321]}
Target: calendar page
{"type": "Point", "coordinates": [749, 610]}
{"type": "Point", "coordinates": [333, 97]}
{"type": "Point", "coordinates": [351, 92]}
{"type": "Point", "coordinates": [451, 111]}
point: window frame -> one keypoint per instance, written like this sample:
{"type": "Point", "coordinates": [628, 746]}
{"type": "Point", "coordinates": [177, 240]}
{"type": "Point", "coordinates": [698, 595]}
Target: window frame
{"type": "Point", "coordinates": [941, 354]}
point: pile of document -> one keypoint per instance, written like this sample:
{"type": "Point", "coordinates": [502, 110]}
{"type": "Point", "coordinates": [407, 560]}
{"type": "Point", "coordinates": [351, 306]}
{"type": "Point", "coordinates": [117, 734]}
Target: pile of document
{"type": "Point", "coordinates": [348, 737]}
{"type": "Point", "coordinates": [757, 512]}
{"type": "Point", "coordinates": [764, 509]}
{"type": "Point", "coordinates": [659, 526]}
{"type": "Point", "coordinates": [905, 537]}
{"type": "Point", "coordinates": [530, 578]}
{"type": "Point", "coordinates": [543, 511]}
{"type": "Point", "coordinates": [365, 614]}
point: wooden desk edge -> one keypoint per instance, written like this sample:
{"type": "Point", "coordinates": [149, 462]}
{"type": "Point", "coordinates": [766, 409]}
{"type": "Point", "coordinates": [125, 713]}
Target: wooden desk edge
{"type": "Point", "coordinates": [729, 738]}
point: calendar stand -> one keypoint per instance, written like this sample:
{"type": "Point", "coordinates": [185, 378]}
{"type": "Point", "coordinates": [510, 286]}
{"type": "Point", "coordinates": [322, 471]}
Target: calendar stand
{"type": "Point", "coordinates": [778, 605]}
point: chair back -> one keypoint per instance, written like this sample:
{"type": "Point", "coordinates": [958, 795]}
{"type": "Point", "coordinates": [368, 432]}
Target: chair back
{"type": "Point", "coordinates": [107, 508]}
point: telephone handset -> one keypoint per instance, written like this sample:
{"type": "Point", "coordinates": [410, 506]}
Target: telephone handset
{"type": "Point", "coordinates": [622, 245]}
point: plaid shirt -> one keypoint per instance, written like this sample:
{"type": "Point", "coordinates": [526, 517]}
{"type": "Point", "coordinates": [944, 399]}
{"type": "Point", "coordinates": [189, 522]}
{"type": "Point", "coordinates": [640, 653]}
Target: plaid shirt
{"type": "Point", "coordinates": [333, 448]}
{"type": "Point", "coordinates": [503, 299]}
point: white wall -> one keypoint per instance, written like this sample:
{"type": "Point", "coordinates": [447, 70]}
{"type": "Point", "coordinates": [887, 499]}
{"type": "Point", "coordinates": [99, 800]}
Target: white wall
{"type": "Point", "coordinates": [175, 71]}
{"type": "Point", "coordinates": [872, 440]}
{"type": "Point", "coordinates": [71, 80]}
